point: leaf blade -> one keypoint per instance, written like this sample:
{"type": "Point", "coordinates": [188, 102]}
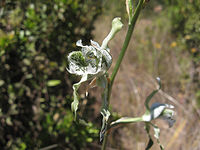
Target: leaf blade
{"type": "Point", "coordinates": [52, 83]}
{"type": "Point", "coordinates": [74, 104]}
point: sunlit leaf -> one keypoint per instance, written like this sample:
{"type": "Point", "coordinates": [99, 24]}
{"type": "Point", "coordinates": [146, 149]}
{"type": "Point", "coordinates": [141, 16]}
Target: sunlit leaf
{"type": "Point", "coordinates": [51, 83]}
{"type": "Point", "coordinates": [2, 82]}
{"type": "Point", "coordinates": [9, 121]}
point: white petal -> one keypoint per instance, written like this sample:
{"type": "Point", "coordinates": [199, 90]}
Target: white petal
{"type": "Point", "coordinates": [74, 69]}
{"type": "Point", "coordinates": [108, 58]}
{"type": "Point", "coordinates": [79, 43]}
{"type": "Point", "coordinates": [105, 114]}
{"type": "Point", "coordinates": [95, 44]}
{"type": "Point", "coordinates": [158, 79]}
{"type": "Point", "coordinates": [156, 110]}
{"type": "Point", "coordinates": [95, 64]}
{"type": "Point", "coordinates": [108, 49]}
{"type": "Point", "coordinates": [169, 106]}
{"type": "Point", "coordinates": [91, 69]}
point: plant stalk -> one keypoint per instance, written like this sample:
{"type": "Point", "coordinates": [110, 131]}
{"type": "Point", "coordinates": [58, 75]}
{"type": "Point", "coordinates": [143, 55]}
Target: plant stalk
{"type": "Point", "coordinates": [105, 139]}
{"type": "Point", "coordinates": [120, 58]}
{"type": "Point", "coordinates": [127, 40]}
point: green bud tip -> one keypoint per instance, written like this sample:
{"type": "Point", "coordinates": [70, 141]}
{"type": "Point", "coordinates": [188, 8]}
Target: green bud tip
{"type": "Point", "coordinates": [117, 24]}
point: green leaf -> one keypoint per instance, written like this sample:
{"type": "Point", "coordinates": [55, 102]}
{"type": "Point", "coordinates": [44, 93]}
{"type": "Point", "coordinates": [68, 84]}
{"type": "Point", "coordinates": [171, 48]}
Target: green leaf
{"type": "Point", "coordinates": [129, 9]}
{"type": "Point", "coordinates": [106, 114]}
{"type": "Point", "coordinates": [151, 96]}
{"type": "Point", "coordinates": [27, 62]}
{"type": "Point", "coordinates": [1, 83]}
{"type": "Point", "coordinates": [156, 132]}
{"type": "Point", "coordinates": [9, 121]}
{"type": "Point", "coordinates": [104, 111]}
{"type": "Point", "coordinates": [74, 104]}
{"type": "Point", "coordinates": [51, 83]}
{"type": "Point", "coordinates": [82, 122]}
{"type": "Point", "coordinates": [157, 135]}
{"type": "Point", "coordinates": [150, 143]}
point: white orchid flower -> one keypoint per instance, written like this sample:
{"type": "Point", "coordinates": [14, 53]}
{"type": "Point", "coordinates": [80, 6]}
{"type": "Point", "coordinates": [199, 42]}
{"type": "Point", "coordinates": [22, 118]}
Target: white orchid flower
{"type": "Point", "coordinates": [157, 110]}
{"type": "Point", "coordinates": [162, 111]}
{"type": "Point", "coordinates": [93, 61]}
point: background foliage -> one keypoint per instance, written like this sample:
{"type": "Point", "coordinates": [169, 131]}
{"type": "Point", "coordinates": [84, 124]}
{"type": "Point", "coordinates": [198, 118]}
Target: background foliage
{"type": "Point", "coordinates": [185, 20]}
{"type": "Point", "coordinates": [35, 38]}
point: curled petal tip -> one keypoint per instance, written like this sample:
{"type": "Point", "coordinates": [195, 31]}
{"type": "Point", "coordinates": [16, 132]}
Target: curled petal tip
{"type": "Point", "coordinates": [117, 24]}
{"type": "Point", "coordinates": [79, 43]}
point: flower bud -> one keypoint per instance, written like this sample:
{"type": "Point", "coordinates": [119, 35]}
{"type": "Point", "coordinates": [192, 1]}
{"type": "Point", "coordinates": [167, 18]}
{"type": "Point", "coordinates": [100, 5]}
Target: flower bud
{"type": "Point", "coordinates": [116, 27]}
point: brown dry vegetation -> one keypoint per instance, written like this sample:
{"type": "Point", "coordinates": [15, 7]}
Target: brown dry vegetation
{"type": "Point", "coordinates": [152, 52]}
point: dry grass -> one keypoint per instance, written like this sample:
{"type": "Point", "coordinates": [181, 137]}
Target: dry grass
{"type": "Point", "coordinates": [152, 52]}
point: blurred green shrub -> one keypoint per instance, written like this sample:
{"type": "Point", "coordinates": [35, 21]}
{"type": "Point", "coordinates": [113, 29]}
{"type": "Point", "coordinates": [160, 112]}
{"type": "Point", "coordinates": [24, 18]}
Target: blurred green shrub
{"type": "Point", "coordinates": [35, 37]}
{"type": "Point", "coordinates": [185, 20]}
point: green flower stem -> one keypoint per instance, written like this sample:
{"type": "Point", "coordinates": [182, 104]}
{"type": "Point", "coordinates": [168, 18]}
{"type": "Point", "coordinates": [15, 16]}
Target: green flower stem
{"type": "Point", "coordinates": [126, 121]}
{"type": "Point", "coordinates": [127, 40]}
{"type": "Point", "coordinates": [123, 50]}
{"type": "Point", "coordinates": [105, 141]}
